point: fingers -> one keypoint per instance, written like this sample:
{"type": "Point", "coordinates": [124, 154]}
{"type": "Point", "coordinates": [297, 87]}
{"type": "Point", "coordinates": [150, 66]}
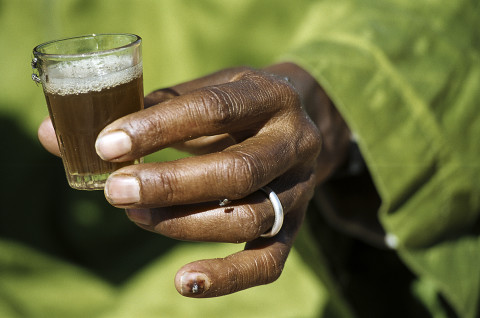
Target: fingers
{"type": "Point", "coordinates": [232, 174]}
{"type": "Point", "coordinates": [260, 263]}
{"type": "Point", "coordinates": [46, 135]}
{"type": "Point", "coordinates": [240, 221]}
{"type": "Point", "coordinates": [207, 111]}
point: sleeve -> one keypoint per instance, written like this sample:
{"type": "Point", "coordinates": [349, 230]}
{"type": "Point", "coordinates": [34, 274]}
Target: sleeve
{"type": "Point", "coordinates": [405, 76]}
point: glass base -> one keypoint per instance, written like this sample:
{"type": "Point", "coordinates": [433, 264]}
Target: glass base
{"type": "Point", "coordinates": [95, 181]}
{"type": "Point", "coordinates": [87, 181]}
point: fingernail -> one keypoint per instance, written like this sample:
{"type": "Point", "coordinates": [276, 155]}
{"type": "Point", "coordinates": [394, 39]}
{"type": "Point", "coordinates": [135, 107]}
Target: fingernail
{"type": "Point", "coordinates": [140, 216]}
{"type": "Point", "coordinates": [113, 145]}
{"type": "Point", "coordinates": [194, 283]}
{"type": "Point", "coordinates": [122, 190]}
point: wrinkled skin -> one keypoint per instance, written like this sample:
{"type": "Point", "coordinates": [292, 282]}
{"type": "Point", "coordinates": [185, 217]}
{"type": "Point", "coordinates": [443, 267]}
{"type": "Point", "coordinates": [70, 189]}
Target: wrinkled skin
{"type": "Point", "coordinates": [248, 129]}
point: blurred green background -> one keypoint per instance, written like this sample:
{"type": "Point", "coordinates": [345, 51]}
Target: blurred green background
{"type": "Point", "coordinates": [67, 253]}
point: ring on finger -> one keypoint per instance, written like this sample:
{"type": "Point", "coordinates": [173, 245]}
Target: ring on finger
{"type": "Point", "coordinates": [278, 209]}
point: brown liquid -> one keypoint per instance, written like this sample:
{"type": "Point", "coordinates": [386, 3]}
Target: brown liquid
{"type": "Point", "coordinates": [79, 118]}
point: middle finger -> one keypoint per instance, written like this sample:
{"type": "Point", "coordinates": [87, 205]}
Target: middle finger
{"type": "Point", "coordinates": [240, 221]}
{"type": "Point", "coordinates": [233, 173]}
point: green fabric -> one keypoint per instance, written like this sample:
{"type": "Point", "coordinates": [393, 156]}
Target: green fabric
{"type": "Point", "coordinates": [404, 74]}
{"type": "Point", "coordinates": [35, 285]}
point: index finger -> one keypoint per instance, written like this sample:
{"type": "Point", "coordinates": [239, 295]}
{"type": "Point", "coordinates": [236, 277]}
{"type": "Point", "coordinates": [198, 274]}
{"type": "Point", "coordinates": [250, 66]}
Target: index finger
{"type": "Point", "coordinates": [243, 104]}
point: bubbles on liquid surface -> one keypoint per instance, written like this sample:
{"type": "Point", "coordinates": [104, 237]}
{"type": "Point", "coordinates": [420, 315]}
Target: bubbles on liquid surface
{"type": "Point", "coordinates": [93, 74]}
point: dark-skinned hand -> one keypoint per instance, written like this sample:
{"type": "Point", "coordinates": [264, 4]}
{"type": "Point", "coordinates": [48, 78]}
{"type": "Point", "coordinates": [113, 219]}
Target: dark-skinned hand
{"type": "Point", "coordinates": [248, 129]}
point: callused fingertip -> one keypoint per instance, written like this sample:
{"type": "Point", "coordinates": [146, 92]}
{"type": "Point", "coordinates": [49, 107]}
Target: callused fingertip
{"type": "Point", "coordinates": [122, 190]}
{"type": "Point", "coordinates": [113, 145]}
{"type": "Point", "coordinates": [193, 284]}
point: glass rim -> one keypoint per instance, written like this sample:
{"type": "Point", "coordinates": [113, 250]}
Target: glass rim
{"type": "Point", "coordinates": [36, 53]}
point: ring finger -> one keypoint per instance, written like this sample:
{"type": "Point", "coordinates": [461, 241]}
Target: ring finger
{"type": "Point", "coordinates": [240, 221]}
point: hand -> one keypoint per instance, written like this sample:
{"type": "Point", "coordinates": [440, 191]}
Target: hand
{"type": "Point", "coordinates": [249, 130]}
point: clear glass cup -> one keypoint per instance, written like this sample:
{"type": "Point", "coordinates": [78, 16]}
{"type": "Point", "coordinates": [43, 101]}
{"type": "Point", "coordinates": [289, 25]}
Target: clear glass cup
{"type": "Point", "coordinates": [89, 81]}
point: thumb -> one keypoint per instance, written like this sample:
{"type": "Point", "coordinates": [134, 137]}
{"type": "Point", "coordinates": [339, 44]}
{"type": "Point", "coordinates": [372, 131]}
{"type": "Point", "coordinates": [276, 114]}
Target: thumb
{"type": "Point", "coordinates": [46, 135]}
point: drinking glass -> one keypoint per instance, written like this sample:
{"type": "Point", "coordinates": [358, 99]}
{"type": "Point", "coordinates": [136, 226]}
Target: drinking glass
{"type": "Point", "coordinates": [88, 82]}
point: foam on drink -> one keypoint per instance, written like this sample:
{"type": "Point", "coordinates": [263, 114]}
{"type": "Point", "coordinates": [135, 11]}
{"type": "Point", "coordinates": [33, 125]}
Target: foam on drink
{"type": "Point", "coordinates": [90, 75]}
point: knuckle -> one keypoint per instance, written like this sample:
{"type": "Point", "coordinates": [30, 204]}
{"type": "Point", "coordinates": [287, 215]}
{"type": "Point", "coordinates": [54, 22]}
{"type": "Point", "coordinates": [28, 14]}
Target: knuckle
{"type": "Point", "coordinates": [300, 145]}
{"type": "Point", "coordinates": [220, 106]}
{"type": "Point", "coordinates": [266, 84]}
{"type": "Point", "coordinates": [243, 72]}
{"type": "Point", "coordinates": [254, 92]}
{"type": "Point", "coordinates": [272, 267]}
{"type": "Point", "coordinates": [306, 142]}
{"type": "Point", "coordinates": [251, 223]}
{"type": "Point", "coordinates": [262, 268]}
{"type": "Point", "coordinates": [245, 171]}
{"type": "Point", "coordinates": [312, 140]}
{"type": "Point", "coordinates": [164, 187]}
{"type": "Point", "coordinates": [289, 97]}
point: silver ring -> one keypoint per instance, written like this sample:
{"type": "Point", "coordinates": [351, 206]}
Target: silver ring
{"type": "Point", "coordinates": [277, 207]}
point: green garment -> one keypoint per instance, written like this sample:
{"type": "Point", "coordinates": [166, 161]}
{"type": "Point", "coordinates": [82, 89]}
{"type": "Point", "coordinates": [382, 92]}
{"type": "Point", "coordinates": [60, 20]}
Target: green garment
{"type": "Point", "coordinates": [404, 74]}
{"type": "Point", "coordinates": [406, 77]}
